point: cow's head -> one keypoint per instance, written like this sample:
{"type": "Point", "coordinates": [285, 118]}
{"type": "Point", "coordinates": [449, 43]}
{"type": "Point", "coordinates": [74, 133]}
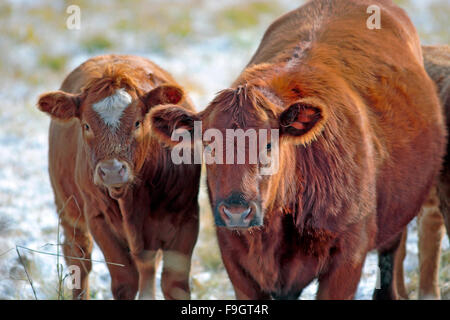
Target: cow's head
{"type": "Point", "coordinates": [113, 125]}
{"type": "Point", "coordinates": [241, 193]}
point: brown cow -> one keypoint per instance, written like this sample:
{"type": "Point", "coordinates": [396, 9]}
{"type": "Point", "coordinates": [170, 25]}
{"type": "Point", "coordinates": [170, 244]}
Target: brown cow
{"type": "Point", "coordinates": [361, 142]}
{"type": "Point", "coordinates": [114, 181]}
{"type": "Point", "coordinates": [437, 64]}
{"type": "Point", "coordinates": [430, 220]}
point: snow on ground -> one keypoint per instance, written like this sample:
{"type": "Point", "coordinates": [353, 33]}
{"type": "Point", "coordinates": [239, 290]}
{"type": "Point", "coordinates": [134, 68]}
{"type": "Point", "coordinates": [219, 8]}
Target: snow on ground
{"type": "Point", "coordinates": [204, 44]}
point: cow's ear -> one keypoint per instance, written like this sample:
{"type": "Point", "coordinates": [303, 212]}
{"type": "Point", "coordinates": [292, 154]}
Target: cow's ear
{"type": "Point", "coordinates": [164, 94]}
{"type": "Point", "coordinates": [172, 124]}
{"type": "Point", "coordinates": [60, 105]}
{"type": "Point", "coordinates": [303, 121]}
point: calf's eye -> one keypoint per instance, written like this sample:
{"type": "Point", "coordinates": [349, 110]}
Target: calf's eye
{"type": "Point", "coordinates": [86, 127]}
{"type": "Point", "coordinates": [269, 146]}
{"type": "Point", "coordinates": [137, 124]}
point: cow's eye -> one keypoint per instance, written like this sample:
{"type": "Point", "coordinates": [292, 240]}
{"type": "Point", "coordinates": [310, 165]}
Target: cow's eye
{"type": "Point", "coordinates": [269, 146]}
{"type": "Point", "coordinates": [86, 127]}
{"type": "Point", "coordinates": [137, 124]}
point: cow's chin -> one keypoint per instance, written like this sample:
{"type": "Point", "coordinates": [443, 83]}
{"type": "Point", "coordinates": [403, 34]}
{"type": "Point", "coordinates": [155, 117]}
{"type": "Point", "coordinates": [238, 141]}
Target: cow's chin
{"type": "Point", "coordinates": [117, 192]}
{"type": "Point", "coordinates": [255, 224]}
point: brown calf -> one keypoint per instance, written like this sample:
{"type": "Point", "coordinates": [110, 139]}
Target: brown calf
{"type": "Point", "coordinates": [361, 142]}
{"type": "Point", "coordinates": [430, 220]}
{"type": "Point", "coordinates": [114, 181]}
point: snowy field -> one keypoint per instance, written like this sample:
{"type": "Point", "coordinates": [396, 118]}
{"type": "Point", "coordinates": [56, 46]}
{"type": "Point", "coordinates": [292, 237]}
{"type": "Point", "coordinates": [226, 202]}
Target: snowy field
{"type": "Point", "coordinates": [204, 44]}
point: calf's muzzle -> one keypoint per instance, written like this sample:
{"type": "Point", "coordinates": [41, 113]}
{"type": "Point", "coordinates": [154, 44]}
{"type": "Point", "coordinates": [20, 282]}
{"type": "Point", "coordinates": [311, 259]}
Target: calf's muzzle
{"type": "Point", "coordinates": [113, 173]}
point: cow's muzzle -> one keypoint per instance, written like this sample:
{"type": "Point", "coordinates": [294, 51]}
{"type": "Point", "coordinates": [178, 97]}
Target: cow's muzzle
{"type": "Point", "coordinates": [238, 214]}
{"type": "Point", "coordinates": [115, 175]}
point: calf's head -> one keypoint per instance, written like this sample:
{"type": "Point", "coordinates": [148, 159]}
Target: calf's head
{"type": "Point", "coordinates": [269, 128]}
{"type": "Point", "coordinates": [113, 126]}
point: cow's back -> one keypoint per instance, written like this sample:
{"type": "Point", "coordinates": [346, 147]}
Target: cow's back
{"type": "Point", "coordinates": [296, 29]}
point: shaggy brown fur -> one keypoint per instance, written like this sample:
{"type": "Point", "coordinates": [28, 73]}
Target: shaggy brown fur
{"type": "Point", "coordinates": [437, 64]}
{"type": "Point", "coordinates": [361, 143]}
{"type": "Point", "coordinates": [157, 210]}
{"type": "Point", "coordinates": [431, 220]}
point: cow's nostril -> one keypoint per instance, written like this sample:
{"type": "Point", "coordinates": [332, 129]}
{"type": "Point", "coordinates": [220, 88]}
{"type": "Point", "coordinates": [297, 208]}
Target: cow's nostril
{"type": "Point", "coordinates": [246, 213]}
{"type": "Point", "coordinates": [122, 171]}
{"type": "Point", "coordinates": [113, 173]}
{"type": "Point", "coordinates": [243, 214]}
{"type": "Point", "coordinates": [224, 213]}
{"type": "Point", "coordinates": [227, 212]}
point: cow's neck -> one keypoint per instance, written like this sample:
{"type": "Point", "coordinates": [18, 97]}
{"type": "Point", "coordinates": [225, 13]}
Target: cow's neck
{"type": "Point", "coordinates": [306, 189]}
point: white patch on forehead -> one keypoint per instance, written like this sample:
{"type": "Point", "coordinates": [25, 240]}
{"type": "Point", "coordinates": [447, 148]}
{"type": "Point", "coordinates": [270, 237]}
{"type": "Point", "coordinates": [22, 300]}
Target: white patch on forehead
{"type": "Point", "coordinates": [111, 108]}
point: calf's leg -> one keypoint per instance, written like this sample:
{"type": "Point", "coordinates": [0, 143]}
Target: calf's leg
{"type": "Point", "coordinates": [124, 277]}
{"type": "Point", "coordinates": [146, 264]}
{"type": "Point", "coordinates": [78, 244]}
{"type": "Point", "coordinates": [175, 275]}
{"type": "Point", "coordinates": [177, 257]}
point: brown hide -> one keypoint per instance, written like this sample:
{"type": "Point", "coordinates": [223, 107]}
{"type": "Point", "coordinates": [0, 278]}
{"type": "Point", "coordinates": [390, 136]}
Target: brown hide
{"type": "Point", "coordinates": [436, 209]}
{"type": "Point", "coordinates": [391, 140]}
{"type": "Point", "coordinates": [155, 210]}
{"type": "Point", "coordinates": [361, 142]}
{"type": "Point", "coordinates": [437, 64]}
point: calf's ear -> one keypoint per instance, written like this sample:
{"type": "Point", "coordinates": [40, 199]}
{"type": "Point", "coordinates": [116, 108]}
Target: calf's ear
{"type": "Point", "coordinates": [60, 105]}
{"type": "Point", "coordinates": [170, 122]}
{"type": "Point", "coordinates": [303, 121]}
{"type": "Point", "coordinates": [164, 94]}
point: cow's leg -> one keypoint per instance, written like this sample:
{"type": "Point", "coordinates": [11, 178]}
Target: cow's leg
{"type": "Point", "coordinates": [132, 221]}
{"type": "Point", "coordinates": [431, 232]}
{"type": "Point", "coordinates": [399, 274]}
{"type": "Point", "coordinates": [78, 244]}
{"type": "Point", "coordinates": [146, 264]}
{"type": "Point", "coordinates": [124, 277]}
{"type": "Point", "coordinates": [341, 280]}
{"type": "Point", "coordinates": [177, 261]}
{"type": "Point", "coordinates": [386, 264]}
{"type": "Point", "coordinates": [444, 194]}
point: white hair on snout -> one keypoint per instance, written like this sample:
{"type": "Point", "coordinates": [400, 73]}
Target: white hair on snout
{"type": "Point", "coordinates": [110, 109]}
